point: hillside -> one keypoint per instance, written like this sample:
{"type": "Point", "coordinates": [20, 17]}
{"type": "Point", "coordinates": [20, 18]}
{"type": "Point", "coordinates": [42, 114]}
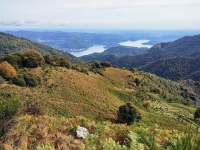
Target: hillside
{"type": "Point", "coordinates": [11, 44]}
{"type": "Point", "coordinates": [186, 46]}
{"type": "Point", "coordinates": [47, 114]}
{"type": "Point", "coordinates": [119, 51]}
{"type": "Point", "coordinates": [77, 41]}
{"type": "Point", "coordinates": [177, 68]}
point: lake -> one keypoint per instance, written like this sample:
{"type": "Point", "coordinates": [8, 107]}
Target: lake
{"type": "Point", "coordinates": [138, 43]}
{"type": "Point", "coordinates": [93, 49]}
{"type": "Point", "coordinates": [100, 48]}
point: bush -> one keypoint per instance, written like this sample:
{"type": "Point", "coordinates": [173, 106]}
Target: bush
{"type": "Point", "coordinates": [137, 81]}
{"type": "Point", "coordinates": [33, 58]}
{"type": "Point", "coordinates": [7, 71]}
{"type": "Point", "coordinates": [197, 113]}
{"type": "Point", "coordinates": [147, 104]}
{"type": "Point", "coordinates": [16, 60]}
{"type": "Point", "coordinates": [19, 80]}
{"type": "Point", "coordinates": [52, 60]}
{"type": "Point", "coordinates": [34, 108]}
{"type": "Point", "coordinates": [32, 80]}
{"type": "Point", "coordinates": [106, 64]}
{"type": "Point", "coordinates": [128, 114]}
{"type": "Point", "coordinates": [8, 108]}
{"type": "Point", "coordinates": [64, 63]}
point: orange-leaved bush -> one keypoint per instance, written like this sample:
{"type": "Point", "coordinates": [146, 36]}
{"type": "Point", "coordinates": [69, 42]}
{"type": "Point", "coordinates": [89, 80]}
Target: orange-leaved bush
{"type": "Point", "coordinates": [7, 71]}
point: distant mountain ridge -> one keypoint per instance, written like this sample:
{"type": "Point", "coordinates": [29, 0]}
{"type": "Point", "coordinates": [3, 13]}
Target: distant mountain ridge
{"type": "Point", "coordinates": [11, 44]}
{"type": "Point", "coordinates": [119, 51]}
{"type": "Point", "coordinates": [177, 68]}
{"type": "Point", "coordinates": [189, 45]}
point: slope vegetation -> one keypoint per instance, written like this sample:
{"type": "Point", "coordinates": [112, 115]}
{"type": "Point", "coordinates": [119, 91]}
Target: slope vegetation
{"type": "Point", "coordinates": [11, 44]}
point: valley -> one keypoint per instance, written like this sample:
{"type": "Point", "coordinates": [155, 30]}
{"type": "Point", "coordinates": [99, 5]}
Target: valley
{"type": "Point", "coordinates": [46, 94]}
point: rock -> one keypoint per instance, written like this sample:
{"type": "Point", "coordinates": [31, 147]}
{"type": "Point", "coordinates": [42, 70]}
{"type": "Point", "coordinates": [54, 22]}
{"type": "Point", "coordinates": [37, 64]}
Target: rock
{"type": "Point", "coordinates": [81, 132]}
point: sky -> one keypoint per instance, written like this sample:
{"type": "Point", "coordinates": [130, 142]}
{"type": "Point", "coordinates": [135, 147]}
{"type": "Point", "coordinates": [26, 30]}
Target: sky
{"type": "Point", "coordinates": [100, 14]}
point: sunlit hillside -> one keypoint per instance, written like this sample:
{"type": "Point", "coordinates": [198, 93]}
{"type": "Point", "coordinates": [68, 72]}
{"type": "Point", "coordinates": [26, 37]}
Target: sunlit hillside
{"type": "Point", "coordinates": [57, 97]}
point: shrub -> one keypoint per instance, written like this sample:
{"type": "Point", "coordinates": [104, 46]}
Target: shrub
{"type": "Point", "coordinates": [137, 81]}
{"type": "Point", "coordinates": [8, 108]}
{"type": "Point", "coordinates": [64, 63]}
{"type": "Point", "coordinates": [34, 108]}
{"type": "Point", "coordinates": [7, 71]}
{"type": "Point", "coordinates": [197, 113]}
{"type": "Point", "coordinates": [128, 114]}
{"type": "Point", "coordinates": [16, 60]}
{"type": "Point", "coordinates": [106, 64]}
{"type": "Point", "coordinates": [147, 104]}
{"type": "Point", "coordinates": [133, 70]}
{"type": "Point", "coordinates": [96, 64]}
{"type": "Point", "coordinates": [33, 58]}
{"type": "Point", "coordinates": [19, 80]}
{"type": "Point", "coordinates": [52, 60]}
{"type": "Point", "coordinates": [32, 80]}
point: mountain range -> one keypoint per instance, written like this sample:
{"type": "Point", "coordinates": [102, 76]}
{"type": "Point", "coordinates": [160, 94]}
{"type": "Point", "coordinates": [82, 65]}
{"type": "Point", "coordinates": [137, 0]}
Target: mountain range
{"type": "Point", "coordinates": [12, 44]}
{"type": "Point", "coordinates": [118, 51]}
{"type": "Point", "coordinates": [177, 60]}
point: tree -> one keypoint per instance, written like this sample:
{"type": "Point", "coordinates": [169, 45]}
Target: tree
{"type": "Point", "coordinates": [7, 71]}
{"type": "Point", "coordinates": [52, 60]}
{"type": "Point", "coordinates": [197, 113]}
{"type": "Point", "coordinates": [128, 113]}
{"type": "Point", "coordinates": [64, 63]}
{"type": "Point", "coordinates": [33, 58]}
{"type": "Point", "coordinates": [137, 81]}
{"type": "Point", "coordinates": [16, 60]}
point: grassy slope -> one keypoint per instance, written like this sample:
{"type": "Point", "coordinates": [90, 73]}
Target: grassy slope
{"type": "Point", "coordinates": [65, 92]}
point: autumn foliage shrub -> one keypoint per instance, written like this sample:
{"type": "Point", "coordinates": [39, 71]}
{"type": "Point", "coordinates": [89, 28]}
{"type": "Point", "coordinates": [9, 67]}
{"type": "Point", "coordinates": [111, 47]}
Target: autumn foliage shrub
{"type": "Point", "coordinates": [7, 71]}
{"type": "Point", "coordinates": [33, 58]}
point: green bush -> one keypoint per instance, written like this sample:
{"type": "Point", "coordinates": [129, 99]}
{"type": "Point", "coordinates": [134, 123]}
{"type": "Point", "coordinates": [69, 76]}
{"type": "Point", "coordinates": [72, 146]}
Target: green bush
{"type": "Point", "coordinates": [32, 80]}
{"type": "Point", "coordinates": [16, 60]}
{"type": "Point", "coordinates": [128, 114]}
{"type": "Point", "coordinates": [64, 63]}
{"type": "Point", "coordinates": [197, 113]}
{"type": "Point", "coordinates": [106, 64]}
{"type": "Point", "coordinates": [8, 108]}
{"type": "Point", "coordinates": [19, 80]}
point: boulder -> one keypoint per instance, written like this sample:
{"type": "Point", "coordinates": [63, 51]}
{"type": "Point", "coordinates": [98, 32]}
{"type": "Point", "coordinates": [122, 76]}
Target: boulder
{"type": "Point", "coordinates": [81, 132]}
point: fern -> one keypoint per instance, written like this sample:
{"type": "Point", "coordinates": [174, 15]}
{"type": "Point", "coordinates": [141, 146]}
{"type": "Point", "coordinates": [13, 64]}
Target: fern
{"type": "Point", "coordinates": [135, 145]}
{"type": "Point", "coordinates": [109, 144]}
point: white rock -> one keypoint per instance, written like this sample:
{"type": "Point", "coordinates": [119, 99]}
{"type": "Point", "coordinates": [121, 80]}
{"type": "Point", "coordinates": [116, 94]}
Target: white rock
{"type": "Point", "coordinates": [81, 132]}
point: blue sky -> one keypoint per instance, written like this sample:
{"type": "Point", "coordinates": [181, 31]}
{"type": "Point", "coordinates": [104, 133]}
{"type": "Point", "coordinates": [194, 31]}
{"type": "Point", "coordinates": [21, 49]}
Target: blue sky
{"type": "Point", "coordinates": [100, 14]}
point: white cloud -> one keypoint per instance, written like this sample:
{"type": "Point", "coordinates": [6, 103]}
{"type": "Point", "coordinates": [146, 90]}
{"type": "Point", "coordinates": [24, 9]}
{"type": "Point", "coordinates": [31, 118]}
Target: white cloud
{"type": "Point", "coordinates": [102, 13]}
{"type": "Point", "coordinates": [17, 23]}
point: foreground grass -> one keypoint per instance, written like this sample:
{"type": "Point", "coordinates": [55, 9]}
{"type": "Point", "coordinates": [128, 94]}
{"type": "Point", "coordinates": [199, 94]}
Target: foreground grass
{"type": "Point", "coordinates": [44, 132]}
